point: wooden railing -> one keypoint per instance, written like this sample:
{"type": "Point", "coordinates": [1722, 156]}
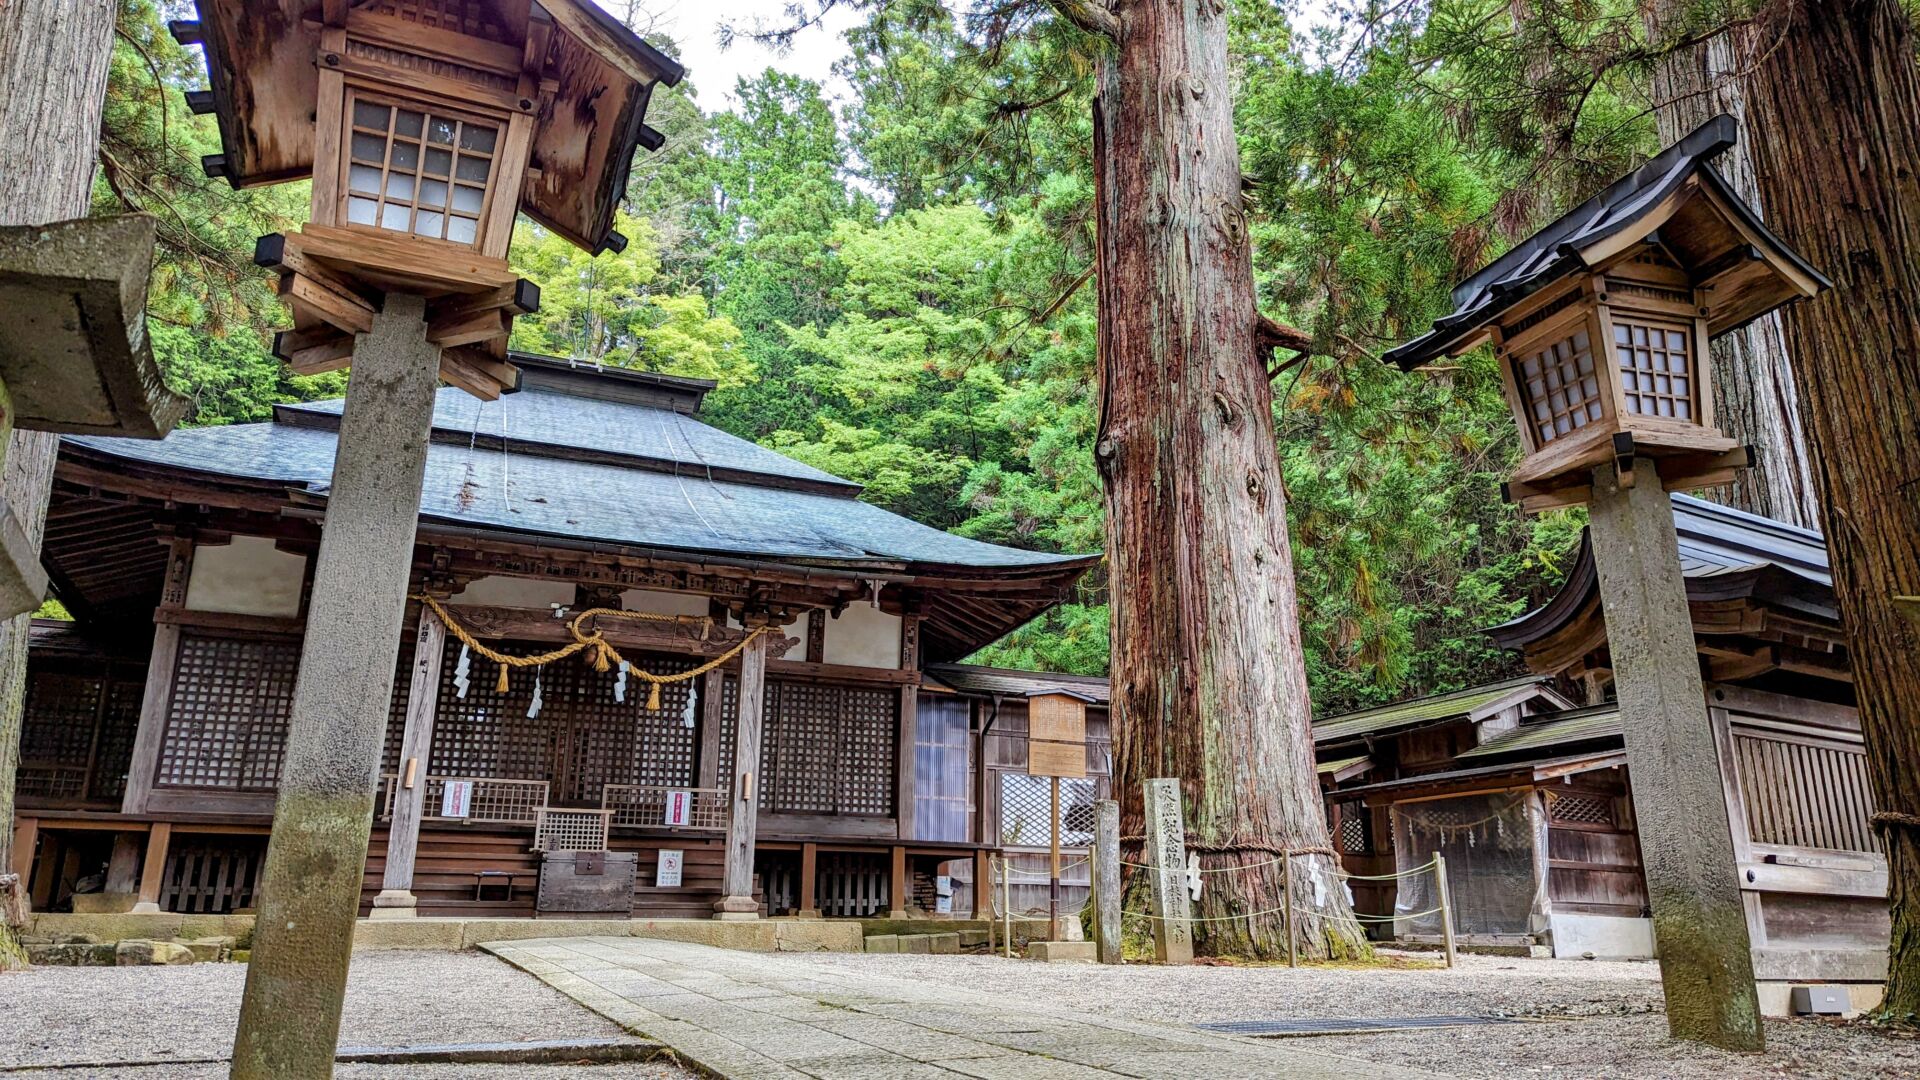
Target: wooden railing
{"type": "Point", "coordinates": [645, 806]}
{"type": "Point", "coordinates": [564, 828]}
{"type": "Point", "coordinates": [505, 802]}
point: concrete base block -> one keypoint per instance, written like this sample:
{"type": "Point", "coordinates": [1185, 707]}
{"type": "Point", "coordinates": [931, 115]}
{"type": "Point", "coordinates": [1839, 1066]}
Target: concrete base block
{"type": "Point", "coordinates": [140, 953]}
{"type": "Point", "coordinates": [1776, 998]}
{"type": "Point", "coordinates": [1061, 952]}
{"type": "Point", "coordinates": [883, 943]}
{"type": "Point", "coordinates": [916, 943]}
{"type": "Point", "coordinates": [211, 950]}
{"type": "Point", "coordinates": [1602, 937]}
{"type": "Point", "coordinates": [945, 944]}
{"type": "Point", "coordinates": [395, 904]}
{"type": "Point", "coordinates": [973, 939]}
{"type": "Point", "coordinates": [103, 903]}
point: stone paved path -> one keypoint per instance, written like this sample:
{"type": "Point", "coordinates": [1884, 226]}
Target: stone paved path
{"type": "Point", "coordinates": [745, 1018]}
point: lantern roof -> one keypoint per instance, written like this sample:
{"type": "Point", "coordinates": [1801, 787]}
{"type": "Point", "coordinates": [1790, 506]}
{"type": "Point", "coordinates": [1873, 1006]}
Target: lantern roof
{"type": "Point", "coordinates": [596, 76]}
{"type": "Point", "coordinates": [1677, 200]}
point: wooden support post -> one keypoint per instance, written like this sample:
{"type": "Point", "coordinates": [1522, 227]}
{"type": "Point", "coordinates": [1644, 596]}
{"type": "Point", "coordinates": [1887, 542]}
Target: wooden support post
{"type": "Point", "coordinates": [123, 865]}
{"type": "Point", "coordinates": [1445, 893]}
{"type": "Point", "coordinates": [1106, 884]}
{"type": "Point", "coordinates": [1699, 921]}
{"type": "Point", "coordinates": [810, 881]}
{"type": "Point", "coordinates": [154, 867]}
{"type": "Point", "coordinates": [26, 837]}
{"type": "Point", "coordinates": [396, 899]}
{"type": "Point", "coordinates": [1006, 902]}
{"type": "Point", "coordinates": [743, 808]}
{"type": "Point", "coordinates": [897, 885]}
{"type": "Point", "coordinates": [712, 690]}
{"type": "Point", "coordinates": [1167, 854]}
{"type": "Point", "coordinates": [316, 856]}
{"type": "Point", "coordinates": [1053, 861]}
{"type": "Point", "coordinates": [1286, 908]}
{"type": "Point", "coordinates": [158, 694]}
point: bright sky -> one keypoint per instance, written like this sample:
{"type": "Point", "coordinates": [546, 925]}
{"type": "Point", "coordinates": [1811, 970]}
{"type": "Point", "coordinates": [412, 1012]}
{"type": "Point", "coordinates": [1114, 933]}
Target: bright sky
{"type": "Point", "coordinates": [695, 25]}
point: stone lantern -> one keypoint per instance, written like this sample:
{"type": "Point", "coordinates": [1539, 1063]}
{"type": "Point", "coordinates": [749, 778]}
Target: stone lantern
{"type": "Point", "coordinates": [1601, 323]}
{"type": "Point", "coordinates": [425, 127]}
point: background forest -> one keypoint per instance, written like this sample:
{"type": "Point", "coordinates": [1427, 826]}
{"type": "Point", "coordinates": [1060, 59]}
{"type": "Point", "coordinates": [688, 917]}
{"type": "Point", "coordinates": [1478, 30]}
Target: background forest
{"type": "Point", "coordinates": [895, 289]}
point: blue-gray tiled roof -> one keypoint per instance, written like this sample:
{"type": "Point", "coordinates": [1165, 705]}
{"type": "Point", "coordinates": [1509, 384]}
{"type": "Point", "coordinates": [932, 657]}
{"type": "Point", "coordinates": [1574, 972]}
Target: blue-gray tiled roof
{"type": "Point", "coordinates": [531, 484]}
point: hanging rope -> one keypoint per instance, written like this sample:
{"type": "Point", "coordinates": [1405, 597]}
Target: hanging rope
{"type": "Point", "coordinates": [605, 655]}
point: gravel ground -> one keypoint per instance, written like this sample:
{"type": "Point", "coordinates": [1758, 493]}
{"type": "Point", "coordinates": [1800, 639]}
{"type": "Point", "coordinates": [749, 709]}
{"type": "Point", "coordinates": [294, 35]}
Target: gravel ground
{"type": "Point", "coordinates": [1602, 1019]}
{"type": "Point", "coordinates": [59, 1014]}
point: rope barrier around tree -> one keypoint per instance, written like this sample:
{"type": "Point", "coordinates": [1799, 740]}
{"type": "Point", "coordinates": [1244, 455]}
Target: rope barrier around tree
{"type": "Point", "coordinates": [605, 655]}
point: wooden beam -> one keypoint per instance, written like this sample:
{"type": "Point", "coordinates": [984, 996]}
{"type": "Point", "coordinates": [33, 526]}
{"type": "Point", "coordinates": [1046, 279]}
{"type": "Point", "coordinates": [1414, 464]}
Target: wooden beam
{"type": "Point", "coordinates": [416, 744]}
{"type": "Point", "coordinates": [464, 49]}
{"type": "Point", "coordinates": [454, 267]}
{"type": "Point", "coordinates": [482, 361]}
{"type": "Point", "coordinates": [315, 351]}
{"type": "Point", "coordinates": [456, 372]}
{"type": "Point", "coordinates": [736, 901]}
{"type": "Point", "coordinates": [154, 868]}
{"type": "Point", "coordinates": [339, 309]}
{"type": "Point", "coordinates": [466, 328]}
{"type": "Point", "coordinates": [521, 297]}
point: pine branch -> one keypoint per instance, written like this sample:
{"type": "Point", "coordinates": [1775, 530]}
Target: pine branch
{"type": "Point", "coordinates": [1089, 15]}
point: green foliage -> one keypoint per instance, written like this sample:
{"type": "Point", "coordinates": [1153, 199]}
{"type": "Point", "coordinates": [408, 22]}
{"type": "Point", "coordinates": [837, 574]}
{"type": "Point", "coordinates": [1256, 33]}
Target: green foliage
{"type": "Point", "coordinates": [898, 294]}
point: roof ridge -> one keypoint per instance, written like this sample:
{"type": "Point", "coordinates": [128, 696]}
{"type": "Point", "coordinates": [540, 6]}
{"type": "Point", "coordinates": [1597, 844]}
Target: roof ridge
{"type": "Point", "coordinates": [1465, 691]}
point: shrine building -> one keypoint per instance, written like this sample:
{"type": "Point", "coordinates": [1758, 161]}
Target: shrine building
{"type": "Point", "coordinates": [591, 514]}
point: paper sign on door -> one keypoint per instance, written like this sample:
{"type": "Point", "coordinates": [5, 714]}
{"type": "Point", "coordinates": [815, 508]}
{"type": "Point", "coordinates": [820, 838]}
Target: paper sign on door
{"type": "Point", "coordinates": [456, 798]}
{"type": "Point", "coordinates": [679, 805]}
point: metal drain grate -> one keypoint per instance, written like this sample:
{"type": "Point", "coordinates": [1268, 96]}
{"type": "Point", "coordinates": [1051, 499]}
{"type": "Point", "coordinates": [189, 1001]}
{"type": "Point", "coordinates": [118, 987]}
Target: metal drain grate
{"type": "Point", "coordinates": [1281, 1029]}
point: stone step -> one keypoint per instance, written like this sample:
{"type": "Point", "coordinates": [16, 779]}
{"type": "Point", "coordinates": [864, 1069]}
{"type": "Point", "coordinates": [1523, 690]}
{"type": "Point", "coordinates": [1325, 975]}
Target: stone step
{"type": "Point", "coordinates": [1061, 952]}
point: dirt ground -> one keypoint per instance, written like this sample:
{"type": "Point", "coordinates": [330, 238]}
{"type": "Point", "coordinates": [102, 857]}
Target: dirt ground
{"type": "Point", "coordinates": [182, 1018]}
{"type": "Point", "coordinates": [1587, 1018]}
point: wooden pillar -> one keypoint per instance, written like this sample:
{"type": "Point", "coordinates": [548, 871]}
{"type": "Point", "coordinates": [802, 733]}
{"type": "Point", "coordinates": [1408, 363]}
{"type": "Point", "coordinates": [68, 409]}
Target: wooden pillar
{"type": "Point", "coordinates": [1699, 923]}
{"type": "Point", "coordinates": [154, 868]}
{"type": "Point", "coordinates": [712, 718]}
{"type": "Point", "coordinates": [26, 837]}
{"type": "Point", "coordinates": [396, 899]}
{"type": "Point", "coordinates": [1106, 885]}
{"type": "Point", "coordinates": [316, 857]}
{"type": "Point", "coordinates": [158, 692]}
{"type": "Point", "coordinates": [123, 866]}
{"type": "Point", "coordinates": [909, 729]}
{"type": "Point", "coordinates": [897, 884]}
{"type": "Point", "coordinates": [809, 881]}
{"type": "Point", "coordinates": [982, 885]}
{"type": "Point", "coordinates": [743, 806]}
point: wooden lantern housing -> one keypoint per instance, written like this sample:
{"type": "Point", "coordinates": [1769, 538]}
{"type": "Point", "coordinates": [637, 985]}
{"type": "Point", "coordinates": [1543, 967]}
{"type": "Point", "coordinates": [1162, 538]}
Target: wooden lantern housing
{"type": "Point", "coordinates": [425, 126]}
{"type": "Point", "coordinates": [1601, 322]}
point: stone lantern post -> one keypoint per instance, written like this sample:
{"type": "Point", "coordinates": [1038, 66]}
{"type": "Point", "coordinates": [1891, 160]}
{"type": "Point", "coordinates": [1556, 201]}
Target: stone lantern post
{"type": "Point", "coordinates": [425, 127]}
{"type": "Point", "coordinates": [1600, 324]}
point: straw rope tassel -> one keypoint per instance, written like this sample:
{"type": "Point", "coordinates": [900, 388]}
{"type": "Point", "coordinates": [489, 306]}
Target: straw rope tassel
{"type": "Point", "coordinates": [653, 696]}
{"type": "Point", "coordinates": [500, 686]}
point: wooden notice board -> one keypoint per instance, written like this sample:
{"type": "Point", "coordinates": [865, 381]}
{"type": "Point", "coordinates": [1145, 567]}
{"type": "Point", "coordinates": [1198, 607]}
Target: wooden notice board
{"type": "Point", "coordinates": [1056, 735]}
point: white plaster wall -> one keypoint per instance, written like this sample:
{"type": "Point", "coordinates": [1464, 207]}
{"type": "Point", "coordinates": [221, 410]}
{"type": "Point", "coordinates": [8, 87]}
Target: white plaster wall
{"type": "Point", "coordinates": [246, 577]}
{"type": "Point", "coordinates": [516, 592]}
{"type": "Point", "coordinates": [663, 603]}
{"type": "Point", "coordinates": [1607, 937]}
{"type": "Point", "coordinates": [863, 636]}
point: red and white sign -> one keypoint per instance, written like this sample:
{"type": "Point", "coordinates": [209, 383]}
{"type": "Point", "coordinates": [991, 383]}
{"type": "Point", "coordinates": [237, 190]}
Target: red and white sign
{"type": "Point", "coordinates": [667, 874]}
{"type": "Point", "coordinates": [679, 807]}
{"type": "Point", "coordinates": [456, 798]}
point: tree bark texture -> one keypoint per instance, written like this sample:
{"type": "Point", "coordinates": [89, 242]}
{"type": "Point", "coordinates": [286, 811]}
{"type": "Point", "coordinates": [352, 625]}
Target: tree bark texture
{"type": "Point", "coordinates": [54, 56]}
{"type": "Point", "coordinates": [1209, 680]}
{"type": "Point", "coordinates": [1835, 105]}
{"type": "Point", "coordinates": [1755, 397]}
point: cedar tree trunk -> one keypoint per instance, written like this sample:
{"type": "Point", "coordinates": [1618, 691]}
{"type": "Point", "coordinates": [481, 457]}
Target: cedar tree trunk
{"type": "Point", "coordinates": [53, 85]}
{"type": "Point", "coordinates": [1755, 399]}
{"type": "Point", "coordinates": [1835, 106]}
{"type": "Point", "coordinates": [1209, 683]}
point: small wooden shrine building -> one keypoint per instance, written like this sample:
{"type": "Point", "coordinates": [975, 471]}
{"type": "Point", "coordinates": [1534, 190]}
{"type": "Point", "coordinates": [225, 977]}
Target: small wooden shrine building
{"type": "Point", "coordinates": [1533, 808]}
{"type": "Point", "coordinates": [155, 720]}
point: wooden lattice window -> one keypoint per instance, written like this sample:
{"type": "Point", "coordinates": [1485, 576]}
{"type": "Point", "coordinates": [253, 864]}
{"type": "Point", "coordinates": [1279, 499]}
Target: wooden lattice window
{"type": "Point", "coordinates": [1561, 388]}
{"type": "Point", "coordinates": [227, 719]}
{"type": "Point", "coordinates": [581, 741]}
{"type": "Point", "coordinates": [418, 172]}
{"type": "Point", "coordinates": [119, 727]}
{"type": "Point", "coordinates": [1355, 833]}
{"type": "Point", "coordinates": [57, 721]}
{"type": "Point", "coordinates": [1580, 808]}
{"type": "Point", "coordinates": [1026, 811]}
{"type": "Point", "coordinates": [1803, 793]}
{"type": "Point", "coordinates": [824, 749]}
{"type": "Point", "coordinates": [1656, 368]}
